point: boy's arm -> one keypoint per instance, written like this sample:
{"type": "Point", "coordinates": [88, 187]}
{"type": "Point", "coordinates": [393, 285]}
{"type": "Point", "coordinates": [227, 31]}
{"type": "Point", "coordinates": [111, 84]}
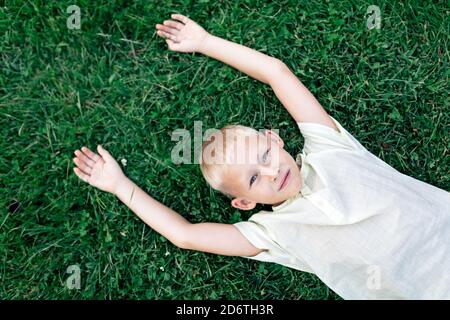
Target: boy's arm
{"type": "Point", "coordinates": [185, 35]}
{"type": "Point", "coordinates": [103, 171]}
{"type": "Point", "coordinates": [218, 238]}
{"type": "Point", "coordinates": [295, 97]}
{"type": "Point", "coordinates": [298, 100]}
{"type": "Point", "coordinates": [249, 61]}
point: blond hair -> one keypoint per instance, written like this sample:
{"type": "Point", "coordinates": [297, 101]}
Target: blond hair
{"type": "Point", "coordinates": [221, 143]}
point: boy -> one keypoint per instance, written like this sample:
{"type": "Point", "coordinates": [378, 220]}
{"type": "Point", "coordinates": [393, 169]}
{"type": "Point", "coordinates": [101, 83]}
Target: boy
{"type": "Point", "coordinates": [365, 229]}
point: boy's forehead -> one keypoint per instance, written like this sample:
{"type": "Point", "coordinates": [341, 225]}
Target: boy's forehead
{"type": "Point", "coordinates": [238, 150]}
{"type": "Point", "coordinates": [252, 142]}
{"type": "Point", "coordinates": [237, 173]}
{"type": "Point", "coordinates": [249, 147]}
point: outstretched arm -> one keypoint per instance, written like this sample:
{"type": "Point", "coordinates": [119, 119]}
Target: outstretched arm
{"type": "Point", "coordinates": [102, 171]}
{"type": "Point", "coordinates": [184, 35]}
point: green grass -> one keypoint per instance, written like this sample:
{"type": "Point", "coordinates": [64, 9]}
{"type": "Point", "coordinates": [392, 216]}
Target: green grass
{"type": "Point", "coordinates": [114, 82]}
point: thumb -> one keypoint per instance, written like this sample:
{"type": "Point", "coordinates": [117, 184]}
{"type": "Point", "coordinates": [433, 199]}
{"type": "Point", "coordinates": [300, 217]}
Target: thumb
{"type": "Point", "coordinates": [171, 44]}
{"type": "Point", "coordinates": [104, 153]}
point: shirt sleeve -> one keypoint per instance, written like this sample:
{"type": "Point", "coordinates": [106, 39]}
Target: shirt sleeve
{"type": "Point", "coordinates": [319, 137]}
{"type": "Point", "coordinates": [257, 235]}
{"type": "Point", "coordinates": [272, 251]}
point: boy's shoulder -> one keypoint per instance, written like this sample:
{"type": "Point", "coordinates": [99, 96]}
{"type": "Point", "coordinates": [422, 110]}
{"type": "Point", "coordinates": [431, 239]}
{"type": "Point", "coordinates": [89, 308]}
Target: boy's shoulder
{"type": "Point", "coordinates": [319, 137]}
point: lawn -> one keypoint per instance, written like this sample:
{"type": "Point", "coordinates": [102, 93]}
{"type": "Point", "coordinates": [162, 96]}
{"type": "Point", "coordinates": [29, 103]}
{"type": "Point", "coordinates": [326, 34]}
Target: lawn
{"type": "Point", "coordinates": [114, 82]}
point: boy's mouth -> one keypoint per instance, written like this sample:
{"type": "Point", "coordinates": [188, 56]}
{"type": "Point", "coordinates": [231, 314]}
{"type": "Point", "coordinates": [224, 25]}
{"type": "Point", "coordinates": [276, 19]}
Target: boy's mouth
{"type": "Point", "coordinates": [285, 180]}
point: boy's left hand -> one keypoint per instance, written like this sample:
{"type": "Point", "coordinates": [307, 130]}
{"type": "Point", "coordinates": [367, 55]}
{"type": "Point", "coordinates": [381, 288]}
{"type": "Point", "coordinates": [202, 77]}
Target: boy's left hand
{"type": "Point", "coordinates": [99, 170]}
{"type": "Point", "coordinates": [182, 34]}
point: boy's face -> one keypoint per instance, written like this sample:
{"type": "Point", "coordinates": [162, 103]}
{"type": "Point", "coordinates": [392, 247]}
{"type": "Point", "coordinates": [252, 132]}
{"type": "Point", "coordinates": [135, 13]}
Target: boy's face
{"type": "Point", "coordinates": [271, 175]}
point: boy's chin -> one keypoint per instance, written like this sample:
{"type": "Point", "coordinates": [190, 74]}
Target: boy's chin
{"type": "Point", "coordinates": [275, 204]}
{"type": "Point", "coordinates": [287, 196]}
{"type": "Point", "coordinates": [280, 201]}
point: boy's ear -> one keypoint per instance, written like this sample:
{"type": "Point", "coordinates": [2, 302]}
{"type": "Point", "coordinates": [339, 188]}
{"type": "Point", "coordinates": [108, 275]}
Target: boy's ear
{"type": "Point", "coordinates": [271, 134]}
{"type": "Point", "coordinates": [243, 204]}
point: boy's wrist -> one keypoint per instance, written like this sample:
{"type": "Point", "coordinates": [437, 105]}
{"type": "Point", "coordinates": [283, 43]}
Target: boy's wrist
{"type": "Point", "coordinates": [203, 45]}
{"type": "Point", "coordinates": [124, 190]}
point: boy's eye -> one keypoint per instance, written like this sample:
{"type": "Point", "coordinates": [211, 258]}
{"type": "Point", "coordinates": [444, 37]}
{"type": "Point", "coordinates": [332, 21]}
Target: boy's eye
{"type": "Point", "coordinates": [252, 180]}
{"type": "Point", "coordinates": [264, 159]}
{"type": "Point", "coordinates": [265, 156]}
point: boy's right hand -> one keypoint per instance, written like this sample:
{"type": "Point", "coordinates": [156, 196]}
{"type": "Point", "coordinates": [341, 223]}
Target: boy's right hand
{"type": "Point", "coordinates": [182, 34]}
{"type": "Point", "coordinates": [101, 171]}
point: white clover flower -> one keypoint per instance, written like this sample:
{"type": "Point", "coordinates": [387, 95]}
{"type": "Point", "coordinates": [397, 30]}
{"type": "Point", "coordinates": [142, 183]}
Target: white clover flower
{"type": "Point", "coordinates": [124, 162]}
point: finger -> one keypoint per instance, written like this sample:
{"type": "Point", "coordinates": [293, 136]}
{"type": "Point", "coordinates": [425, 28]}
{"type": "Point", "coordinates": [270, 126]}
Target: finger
{"type": "Point", "coordinates": [83, 176]}
{"type": "Point", "coordinates": [167, 32]}
{"type": "Point", "coordinates": [167, 35]}
{"type": "Point", "coordinates": [173, 24]}
{"type": "Point", "coordinates": [84, 158]}
{"type": "Point", "coordinates": [180, 17]}
{"type": "Point", "coordinates": [82, 166]}
{"type": "Point", "coordinates": [167, 29]}
{"type": "Point", "coordinates": [163, 34]}
{"type": "Point", "coordinates": [171, 44]}
{"type": "Point", "coordinates": [90, 154]}
{"type": "Point", "coordinates": [105, 154]}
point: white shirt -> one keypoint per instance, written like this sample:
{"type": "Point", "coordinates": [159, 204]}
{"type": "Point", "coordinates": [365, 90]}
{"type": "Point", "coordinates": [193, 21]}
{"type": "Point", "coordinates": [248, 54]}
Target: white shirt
{"type": "Point", "coordinates": [365, 229]}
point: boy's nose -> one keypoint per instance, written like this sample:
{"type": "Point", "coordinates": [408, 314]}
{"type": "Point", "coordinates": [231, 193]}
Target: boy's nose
{"type": "Point", "coordinates": [270, 172]}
